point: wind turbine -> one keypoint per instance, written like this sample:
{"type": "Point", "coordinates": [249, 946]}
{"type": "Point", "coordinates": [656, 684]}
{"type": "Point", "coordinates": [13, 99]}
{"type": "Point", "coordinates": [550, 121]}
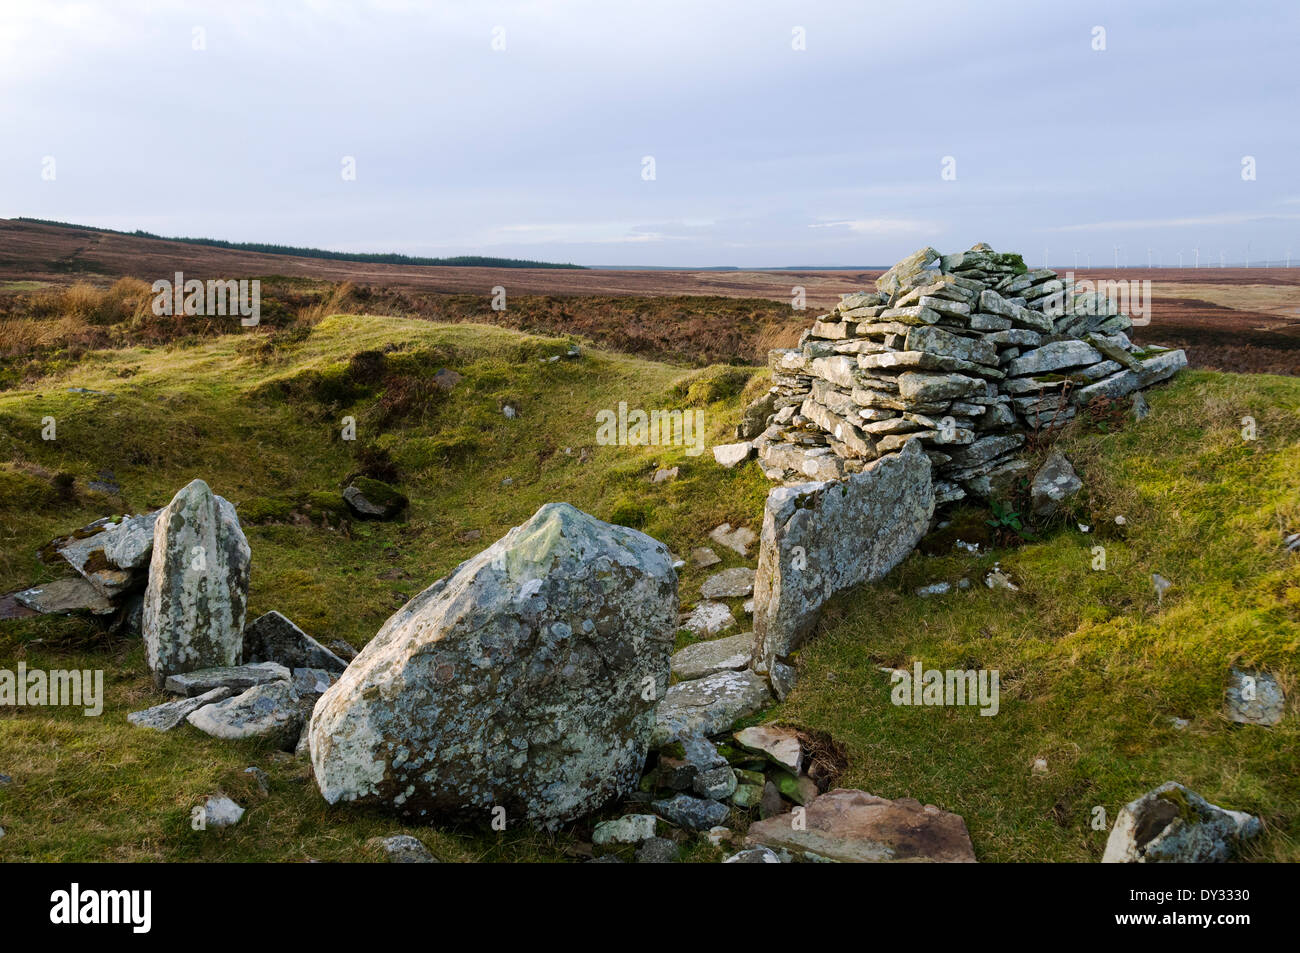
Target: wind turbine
{"type": "Point", "coordinates": [1076, 259]}
{"type": "Point", "coordinates": [1148, 257]}
{"type": "Point", "coordinates": [1197, 250]}
{"type": "Point", "coordinates": [1116, 256]}
{"type": "Point", "coordinates": [1180, 259]}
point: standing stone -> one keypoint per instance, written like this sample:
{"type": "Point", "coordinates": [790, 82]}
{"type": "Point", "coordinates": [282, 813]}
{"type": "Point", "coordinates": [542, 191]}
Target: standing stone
{"type": "Point", "coordinates": [1054, 482]}
{"type": "Point", "coordinates": [198, 585]}
{"type": "Point", "coordinates": [821, 538]}
{"type": "Point", "coordinates": [524, 680]}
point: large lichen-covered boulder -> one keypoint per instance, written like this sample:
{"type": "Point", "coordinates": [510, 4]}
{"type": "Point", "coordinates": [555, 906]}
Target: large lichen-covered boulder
{"type": "Point", "coordinates": [524, 680]}
{"type": "Point", "coordinates": [821, 538]}
{"type": "Point", "coordinates": [198, 585]}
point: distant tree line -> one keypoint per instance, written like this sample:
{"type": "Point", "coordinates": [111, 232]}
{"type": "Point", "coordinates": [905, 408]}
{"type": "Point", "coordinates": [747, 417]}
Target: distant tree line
{"type": "Point", "coordinates": [389, 258]}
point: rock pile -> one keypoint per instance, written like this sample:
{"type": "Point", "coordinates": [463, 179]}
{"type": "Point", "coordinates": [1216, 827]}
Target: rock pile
{"type": "Point", "coordinates": [964, 353]}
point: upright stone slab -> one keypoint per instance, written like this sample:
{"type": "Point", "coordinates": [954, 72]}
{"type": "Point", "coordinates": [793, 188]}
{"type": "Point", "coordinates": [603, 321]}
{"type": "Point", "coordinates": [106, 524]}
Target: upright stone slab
{"type": "Point", "coordinates": [524, 680]}
{"type": "Point", "coordinates": [198, 585]}
{"type": "Point", "coordinates": [821, 538]}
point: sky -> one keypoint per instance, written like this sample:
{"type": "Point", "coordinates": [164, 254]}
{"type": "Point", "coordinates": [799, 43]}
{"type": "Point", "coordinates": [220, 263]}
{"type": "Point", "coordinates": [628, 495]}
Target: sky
{"type": "Point", "coordinates": [750, 134]}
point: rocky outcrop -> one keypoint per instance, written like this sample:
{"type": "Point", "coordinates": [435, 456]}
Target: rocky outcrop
{"type": "Point", "coordinates": [821, 538]}
{"type": "Point", "coordinates": [1174, 825]}
{"type": "Point", "coordinates": [525, 680]}
{"type": "Point", "coordinates": [198, 585]}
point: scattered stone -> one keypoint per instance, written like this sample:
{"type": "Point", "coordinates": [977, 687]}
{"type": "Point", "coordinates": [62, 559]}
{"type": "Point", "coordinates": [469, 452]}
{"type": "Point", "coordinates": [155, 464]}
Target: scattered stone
{"type": "Point", "coordinates": [738, 539]}
{"type": "Point", "coordinates": [716, 835]}
{"type": "Point", "coordinates": [543, 642]}
{"type": "Point", "coordinates": [220, 811]}
{"type": "Point", "coordinates": [851, 826]}
{"type": "Point", "coordinates": [729, 584]}
{"type": "Point", "coordinates": [771, 803]}
{"type": "Point", "coordinates": [1254, 698]}
{"type": "Point", "coordinates": [995, 578]}
{"type": "Point", "coordinates": [273, 638]}
{"type": "Point", "coordinates": [657, 850]}
{"type": "Point", "coordinates": [708, 706]}
{"type": "Point", "coordinates": [403, 849]}
{"type": "Point", "coordinates": [273, 711]}
{"type": "Point", "coordinates": [934, 589]}
{"type": "Point", "coordinates": [1054, 483]}
{"type": "Point", "coordinates": [730, 454]}
{"type": "Point", "coordinates": [1039, 766]}
{"type": "Point", "coordinates": [692, 813]}
{"type": "Point", "coordinates": [167, 716]}
{"type": "Point", "coordinates": [446, 379]}
{"type": "Point", "coordinates": [665, 475]}
{"type": "Point", "coordinates": [778, 744]}
{"type": "Point", "coordinates": [1138, 406]}
{"type": "Point", "coordinates": [373, 499]}
{"type": "Point", "coordinates": [235, 677]}
{"type": "Point", "coordinates": [628, 829]}
{"type": "Point", "coordinates": [754, 855]}
{"type": "Point", "coordinates": [782, 676]}
{"type": "Point", "coordinates": [1161, 586]}
{"type": "Point", "coordinates": [1173, 824]}
{"type": "Point", "coordinates": [719, 655]}
{"type": "Point", "coordinates": [198, 585]}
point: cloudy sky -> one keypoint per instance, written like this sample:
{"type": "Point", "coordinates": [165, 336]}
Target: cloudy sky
{"type": "Point", "coordinates": [816, 132]}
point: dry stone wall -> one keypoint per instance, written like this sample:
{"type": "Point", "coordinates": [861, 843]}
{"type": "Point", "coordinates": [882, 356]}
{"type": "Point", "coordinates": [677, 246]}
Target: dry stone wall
{"type": "Point", "coordinates": [964, 353]}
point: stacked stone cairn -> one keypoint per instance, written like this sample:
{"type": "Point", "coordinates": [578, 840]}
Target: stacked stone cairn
{"type": "Point", "coordinates": [967, 353]}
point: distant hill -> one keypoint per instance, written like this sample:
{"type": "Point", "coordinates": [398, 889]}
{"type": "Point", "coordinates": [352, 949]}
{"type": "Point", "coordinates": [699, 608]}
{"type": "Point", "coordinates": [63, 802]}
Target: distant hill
{"type": "Point", "coordinates": [380, 258]}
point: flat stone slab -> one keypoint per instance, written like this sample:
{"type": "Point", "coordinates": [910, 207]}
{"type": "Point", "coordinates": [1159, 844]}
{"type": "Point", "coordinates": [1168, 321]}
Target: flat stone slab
{"type": "Point", "coordinates": [628, 829]}
{"type": "Point", "coordinates": [708, 706]}
{"type": "Point", "coordinates": [776, 743]}
{"type": "Point", "coordinates": [709, 618]}
{"type": "Point", "coordinates": [729, 584]}
{"type": "Point", "coordinates": [851, 826]}
{"type": "Point", "coordinates": [264, 711]}
{"type": "Point", "coordinates": [703, 557]}
{"type": "Point", "coordinates": [692, 813]}
{"type": "Point", "coordinates": [63, 596]}
{"type": "Point", "coordinates": [719, 655]}
{"type": "Point", "coordinates": [234, 677]}
{"type": "Point", "coordinates": [738, 540]}
{"type": "Point", "coordinates": [168, 715]}
{"type": "Point", "coordinates": [730, 454]}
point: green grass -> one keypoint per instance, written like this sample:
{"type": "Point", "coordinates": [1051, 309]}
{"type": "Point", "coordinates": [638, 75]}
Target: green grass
{"type": "Point", "coordinates": [1091, 667]}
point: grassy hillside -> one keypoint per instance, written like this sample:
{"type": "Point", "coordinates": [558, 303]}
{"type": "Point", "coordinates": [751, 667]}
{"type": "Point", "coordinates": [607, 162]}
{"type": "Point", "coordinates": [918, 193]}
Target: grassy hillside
{"type": "Point", "coordinates": [1091, 667]}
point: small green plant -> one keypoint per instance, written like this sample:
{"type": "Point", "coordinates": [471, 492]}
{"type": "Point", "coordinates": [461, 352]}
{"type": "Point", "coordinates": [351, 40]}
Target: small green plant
{"type": "Point", "coordinates": [1006, 521]}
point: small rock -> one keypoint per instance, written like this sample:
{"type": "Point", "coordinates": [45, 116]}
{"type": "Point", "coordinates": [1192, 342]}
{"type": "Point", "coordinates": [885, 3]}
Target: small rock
{"type": "Point", "coordinates": [738, 540]}
{"type": "Point", "coordinates": [1172, 824]}
{"type": "Point", "coordinates": [168, 715]}
{"type": "Point", "coordinates": [260, 776]}
{"type": "Point", "coordinates": [665, 475]}
{"type": "Point", "coordinates": [754, 855]}
{"type": "Point", "coordinates": [1254, 698]}
{"type": "Point", "coordinates": [717, 784]}
{"type": "Point", "coordinates": [997, 579]}
{"type": "Point", "coordinates": [1039, 766]}
{"type": "Point", "coordinates": [703, 557]}
{"type": "Point", "coordinates": [729, 584]}
{"type": "Point", "coordinates": [628, 829]}
{"type": "Point", "coordinates": [220, 811]}
{"type": "Point", "coordinates": [708, 706]}
{"type": "Point", "coordinates": [778, 744]}
{"type": "Point", "coordinates": [730, 454]}
{"type": "Point", "coordinates": [403, 849]}
{"type": "Point", "coordinates": [657, 850]}
{"type": "Point", "coordinates": [373, 499]}
{"type": "Point", "coordinates": [934, 589]}
{"type": "Point", "coordinates": [1161, 586]}
{"type": "Point", "coordinates": [1139, 407]}
{"type": "Point", "coordinates": [693, 813]}
{"type": "Point", "coordinates": [771, 803]}
{"type": "Point", "coordinates": [716, 835]}
{"type": "Point", "coordinates": [6, 779]}
{"type": "Point", "coordinates": [273, 638]}
{"type": "Point", "coordinates": [1292, 543]}
{"type": "Point", "coordinates": [1054, 483]}
{"type": "Point", "coordinates": [747, 795]}
{"type": "Point", "coordinates": [509, 412]}
{"type": "Point", "coordinates": [782, 675]}
{"type": "Point", "coordinates": [1179, 723]}
{"type": "Point", "coordinates": [264, 711]}
{"type": "Point", "coordinates": [312, 682]}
